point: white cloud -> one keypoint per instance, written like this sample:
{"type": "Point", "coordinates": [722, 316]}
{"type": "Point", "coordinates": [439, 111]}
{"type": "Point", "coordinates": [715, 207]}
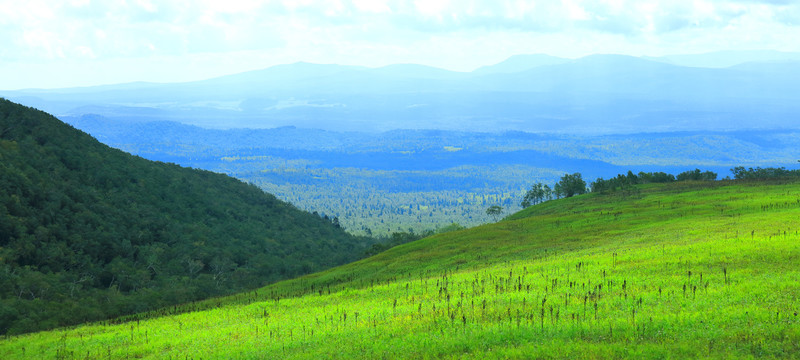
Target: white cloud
{"type": "Point", "coordinates": [232, 6]}
{"type": "Point", "coordinates": [372, 6]}
{"type": "Point", "coordinates": [457, 34]}
{"type": "Point", "coordinates": [433, 8]}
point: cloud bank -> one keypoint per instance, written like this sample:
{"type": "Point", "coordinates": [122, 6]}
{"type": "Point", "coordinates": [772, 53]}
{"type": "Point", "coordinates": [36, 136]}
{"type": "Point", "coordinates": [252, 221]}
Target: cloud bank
{"type": "Point", "coordinates": [174, 39]}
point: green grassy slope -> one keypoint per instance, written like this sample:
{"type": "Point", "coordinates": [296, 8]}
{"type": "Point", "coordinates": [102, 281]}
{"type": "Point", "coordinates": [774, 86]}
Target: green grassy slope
{"type": "Point", "coordinates": [680, 270]}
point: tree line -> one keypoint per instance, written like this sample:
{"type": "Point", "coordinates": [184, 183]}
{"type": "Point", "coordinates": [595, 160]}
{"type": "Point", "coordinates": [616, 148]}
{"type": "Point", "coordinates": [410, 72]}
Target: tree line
{"type": "Point", "coordinates": [742, 173]}
{"type": "Point", "coordinates": [573, 184]}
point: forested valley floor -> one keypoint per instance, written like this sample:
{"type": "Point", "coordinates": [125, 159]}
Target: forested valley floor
{"type": "Point", "coordinates": [417, 180]}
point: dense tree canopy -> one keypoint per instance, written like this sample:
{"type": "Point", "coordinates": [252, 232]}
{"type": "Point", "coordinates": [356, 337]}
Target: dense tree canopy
{"type": "Point", "coordinates": [538, 193]}
{"type": "Point", "coordinates": [570, 185]}
{"type": "Point", "coordinates": [696, 175]}
{"type": "Point", "coordinates": [626, 182]}
{"type": "Point", "coordinates": [88, 232]}
{"type": "Point", "coordinates": [742, 173]}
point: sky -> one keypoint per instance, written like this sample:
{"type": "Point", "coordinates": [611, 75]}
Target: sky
{"type": "Point", "coordinates": [67, 43]}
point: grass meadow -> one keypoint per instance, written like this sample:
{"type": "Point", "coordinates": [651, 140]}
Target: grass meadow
{"type": "Point", "coordinates": [682, 270]}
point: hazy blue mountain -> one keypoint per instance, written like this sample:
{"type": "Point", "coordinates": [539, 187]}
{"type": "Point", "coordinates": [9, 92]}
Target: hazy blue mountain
{"type": "Point", "coordinates": [413, 71]}
{"type": "Point", "coordinates": [280, 74]}
{"type": "Point", "coordinates": [519, 63]}
{"type": "Point", "coordinates": [421, 149]}
{"type": "Point", "coordinates": [724, 59]}
{"type": "Point", "coordinates": [785, 68]}
{"type": "Point", "coordinates": [535, 93]}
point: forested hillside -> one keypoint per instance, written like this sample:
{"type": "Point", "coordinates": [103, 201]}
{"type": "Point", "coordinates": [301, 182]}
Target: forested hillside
{"type": "Point", "coordinates": [89, 232]}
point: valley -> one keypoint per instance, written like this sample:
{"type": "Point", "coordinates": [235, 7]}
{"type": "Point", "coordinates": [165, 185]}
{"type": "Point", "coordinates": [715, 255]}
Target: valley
{"type": "Point", "coordinates": [420, 180]}
{"type": "Point", "coordinates": [392, 220]}
{"type": "Point", "coordinates": [397, 179]}
{"type": "Point", "coordinates": [412, 148]}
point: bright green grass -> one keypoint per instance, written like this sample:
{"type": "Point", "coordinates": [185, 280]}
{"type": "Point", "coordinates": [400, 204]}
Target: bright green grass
{"type": "Point", "coordinates": [708, 270]}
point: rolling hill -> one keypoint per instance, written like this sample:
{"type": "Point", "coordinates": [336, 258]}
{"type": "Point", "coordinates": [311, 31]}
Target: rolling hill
{"type": "Point", "coordinates": [681, 270]}
{"type": "Point", "coordinates": [89, 232]}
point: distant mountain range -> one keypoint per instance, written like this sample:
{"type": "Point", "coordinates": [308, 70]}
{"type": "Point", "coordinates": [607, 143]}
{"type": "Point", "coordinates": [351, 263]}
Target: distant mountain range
{"type": "Point", "coordinates": [534, 93]}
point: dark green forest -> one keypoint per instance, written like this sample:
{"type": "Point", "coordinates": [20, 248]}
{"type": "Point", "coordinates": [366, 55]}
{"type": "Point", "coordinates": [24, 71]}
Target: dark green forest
{"type": "Point", "coordinates": [88, 232]}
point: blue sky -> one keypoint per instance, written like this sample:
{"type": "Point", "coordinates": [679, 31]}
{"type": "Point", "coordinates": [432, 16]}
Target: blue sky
{"type": "Point", "coordinates": [53, 43]}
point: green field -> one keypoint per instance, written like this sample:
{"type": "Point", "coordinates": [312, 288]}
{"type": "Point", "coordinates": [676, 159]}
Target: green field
{"type": "Point", "coordinates": [682, 270]}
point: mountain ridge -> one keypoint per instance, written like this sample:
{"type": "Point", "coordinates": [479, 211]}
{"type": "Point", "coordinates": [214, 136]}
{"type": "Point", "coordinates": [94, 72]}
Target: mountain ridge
{"type": "Point", "coordinates": [603, 93]}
